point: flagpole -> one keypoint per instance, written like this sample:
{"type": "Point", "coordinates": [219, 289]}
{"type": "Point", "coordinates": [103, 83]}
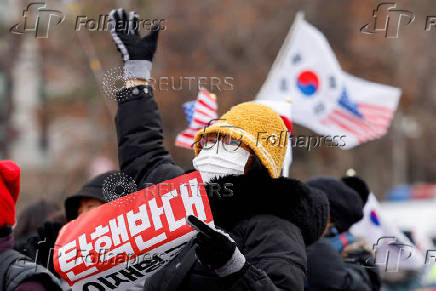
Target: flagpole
{"type": "Point", "coordinates": [288, 159]}
{"type": "Point", "coordinates": [289, 39]}
{"type": "Point", "coordinates": [299, 16]}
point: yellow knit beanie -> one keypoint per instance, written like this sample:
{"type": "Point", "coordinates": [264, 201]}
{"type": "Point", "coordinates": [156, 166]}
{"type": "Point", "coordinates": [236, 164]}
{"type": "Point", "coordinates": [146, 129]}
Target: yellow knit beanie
{"type": "Point", "coordinates": [258, 127]}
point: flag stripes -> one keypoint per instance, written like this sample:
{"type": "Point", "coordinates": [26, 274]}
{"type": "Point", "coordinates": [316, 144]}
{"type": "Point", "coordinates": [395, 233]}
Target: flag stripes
{"type": "Point", "coordinates": [199, 115]}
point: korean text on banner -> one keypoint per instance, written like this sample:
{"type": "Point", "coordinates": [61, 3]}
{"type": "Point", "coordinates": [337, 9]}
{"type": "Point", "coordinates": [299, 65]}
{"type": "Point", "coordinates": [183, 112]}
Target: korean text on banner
{"type": "Point", "coordinates": [128, 239]}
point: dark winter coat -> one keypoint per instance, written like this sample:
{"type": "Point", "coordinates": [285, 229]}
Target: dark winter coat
{"type": "Point", "coordinates": [18, 272]}
{"type": "Point", "coordinates": [327, 270]}
{"type": "Point", "coordinates": [271, 220]}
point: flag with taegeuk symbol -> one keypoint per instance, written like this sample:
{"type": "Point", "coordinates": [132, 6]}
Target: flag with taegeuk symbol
{"type": "Point", "coordinates": [324, 98]}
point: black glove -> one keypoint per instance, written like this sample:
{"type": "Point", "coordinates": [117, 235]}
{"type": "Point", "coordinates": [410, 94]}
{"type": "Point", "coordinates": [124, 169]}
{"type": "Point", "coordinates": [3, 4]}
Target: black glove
{"type": "Point", "coordinates": [40, 247]}
{"type": "Point", "coordinates": [216, 250]}
{"type": "Point", "coordinates": [137, 51]}
{"type": "Point", "coordinates": [361, 257]}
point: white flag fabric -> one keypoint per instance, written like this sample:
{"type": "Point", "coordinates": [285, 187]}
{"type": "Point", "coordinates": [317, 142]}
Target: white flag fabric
{"type": "Point", "coordinates": [324, 98]}
{"type": "Point", "coordinates": [364, 111]}
{"type": "Point", "coordinates": [394, 251]}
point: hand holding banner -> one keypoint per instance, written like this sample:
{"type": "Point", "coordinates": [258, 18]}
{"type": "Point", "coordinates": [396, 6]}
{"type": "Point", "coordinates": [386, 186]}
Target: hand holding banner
{"type": "Point", "coordinates": [117, 244]}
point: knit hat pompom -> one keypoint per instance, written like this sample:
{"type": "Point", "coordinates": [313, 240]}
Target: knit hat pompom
{"type": "Point", "coordinates": [359, 185]}
{"type": "Point", "coordinates": [256, 126]}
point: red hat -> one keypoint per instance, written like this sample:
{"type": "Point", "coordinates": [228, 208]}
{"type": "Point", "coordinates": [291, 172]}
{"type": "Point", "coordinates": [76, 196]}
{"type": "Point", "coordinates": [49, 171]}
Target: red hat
{"type": "Point", "coordinates": [9, 191]}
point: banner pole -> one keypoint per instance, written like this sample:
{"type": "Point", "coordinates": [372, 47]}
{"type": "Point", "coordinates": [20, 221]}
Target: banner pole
{"type": "Point", "coordinates": [299, 16]}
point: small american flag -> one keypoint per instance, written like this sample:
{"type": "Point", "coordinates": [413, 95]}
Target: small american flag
{"type": "Point", "coordinates": [199, 113]}
{"type": "Point", "coordinates": [189, 110]}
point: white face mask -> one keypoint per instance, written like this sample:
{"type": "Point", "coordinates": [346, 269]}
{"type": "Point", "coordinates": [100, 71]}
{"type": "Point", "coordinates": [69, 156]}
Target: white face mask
{"type": "Point", "coordinates": [213, 163]}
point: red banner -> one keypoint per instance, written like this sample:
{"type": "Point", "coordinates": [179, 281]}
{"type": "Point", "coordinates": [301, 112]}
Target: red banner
{"type": "Point", "coordinates": [125, 241]}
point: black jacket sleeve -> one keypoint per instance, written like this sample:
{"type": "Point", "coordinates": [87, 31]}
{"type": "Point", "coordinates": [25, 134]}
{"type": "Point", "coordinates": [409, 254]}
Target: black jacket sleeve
{"type": "Point", "coordinates": [328, 271]}
{"type": "Point", "coordinates": [275, 254]}
{"type": "Point", "coordinates": [141, 152]}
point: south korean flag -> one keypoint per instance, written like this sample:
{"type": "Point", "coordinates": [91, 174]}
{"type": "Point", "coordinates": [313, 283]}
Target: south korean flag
{"type": "Point", "coordinates": [324, 98]}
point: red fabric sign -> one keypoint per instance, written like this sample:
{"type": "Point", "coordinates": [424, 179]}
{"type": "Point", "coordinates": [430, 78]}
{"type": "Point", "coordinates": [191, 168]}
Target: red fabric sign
{"type": "Point", "coordinates": [128, 239]}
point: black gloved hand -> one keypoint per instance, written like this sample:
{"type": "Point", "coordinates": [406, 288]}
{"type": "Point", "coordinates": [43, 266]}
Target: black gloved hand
{"type": "Point", "coordinates": [137, 51]}
{"type": "Point", "coordinates": [361, 257]}
{"type": "Point", "coordinates": [41, 247]}
{"type": "Point", "coordinates": [49, 231]}
{"type": "Point", "coordinates": [216, 250]}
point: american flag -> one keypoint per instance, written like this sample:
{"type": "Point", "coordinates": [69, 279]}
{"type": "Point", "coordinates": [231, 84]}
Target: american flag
{"type": "Point", "coordinates": [367, 123]}
{"type": "Point", "coordinates": [199, 114]}
{"type": "Point", "coordinates": [364, 110]}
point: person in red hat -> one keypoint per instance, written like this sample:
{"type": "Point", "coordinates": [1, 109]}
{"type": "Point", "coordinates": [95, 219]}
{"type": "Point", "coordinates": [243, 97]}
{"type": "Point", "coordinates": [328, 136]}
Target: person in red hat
{"type": "Point", "coordinates": [17, 272]}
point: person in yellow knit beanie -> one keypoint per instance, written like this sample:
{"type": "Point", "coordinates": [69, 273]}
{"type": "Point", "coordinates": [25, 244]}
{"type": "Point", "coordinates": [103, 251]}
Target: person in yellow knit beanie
{"type": "Point", "coordinates": [262, 221]}
{"type": "Point", "coordinates": [254, 126]}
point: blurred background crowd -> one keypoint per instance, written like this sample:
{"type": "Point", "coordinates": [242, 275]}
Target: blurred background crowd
{"type": "Point", "coordinates": [57, 124]}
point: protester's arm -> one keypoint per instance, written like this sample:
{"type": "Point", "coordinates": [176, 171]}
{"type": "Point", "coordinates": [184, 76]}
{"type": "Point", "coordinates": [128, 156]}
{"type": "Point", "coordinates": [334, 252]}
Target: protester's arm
{"type": "Point", "coordinates": [141, 153]}
{"type": "Point", "coordinates": [338, 275]}
{"type": "Point", "coordinates": [368, 276]}
{"type": "Point", "coordinates": [360, 257]}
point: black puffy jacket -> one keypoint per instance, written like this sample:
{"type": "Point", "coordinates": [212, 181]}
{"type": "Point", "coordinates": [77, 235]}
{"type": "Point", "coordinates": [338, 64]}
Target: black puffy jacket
{"type": "Point", "coordinates": [19, 272]}
{"type": "Point", "coordinates": [271, 220]}
{"type": "Point", "coordinates": [328, 271]}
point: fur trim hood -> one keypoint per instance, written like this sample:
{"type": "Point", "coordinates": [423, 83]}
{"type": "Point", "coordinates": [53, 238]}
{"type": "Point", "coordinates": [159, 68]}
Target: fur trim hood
{"type": "Point", "coordinates": [257, 193]}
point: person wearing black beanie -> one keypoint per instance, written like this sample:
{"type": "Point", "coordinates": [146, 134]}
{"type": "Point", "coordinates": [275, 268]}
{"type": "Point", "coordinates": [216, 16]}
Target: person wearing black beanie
{"type": "Point", "coordinates": [358, 185]}
{"type": "Point", "coordinates": [339, 261]}
{"type": "Point", "coordinates": [346, 206]}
